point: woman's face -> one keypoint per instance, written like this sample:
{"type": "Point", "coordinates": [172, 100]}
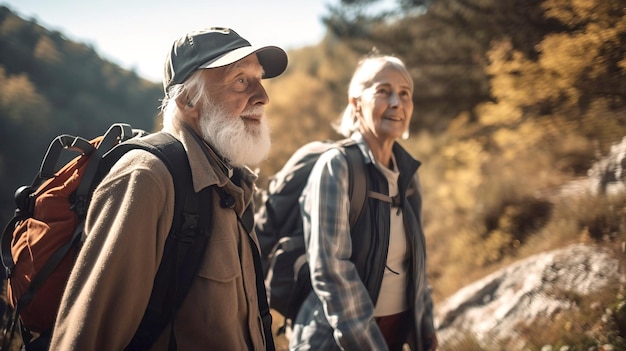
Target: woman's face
{"type": "Point", "coordinates": [386, 106]}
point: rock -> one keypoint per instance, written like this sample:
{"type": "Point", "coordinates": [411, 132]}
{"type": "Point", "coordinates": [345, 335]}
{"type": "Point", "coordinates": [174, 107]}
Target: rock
{"type": "Point", "coordinates": [494, 307]}
{"type": "Point", "coordinates": [608, 175]}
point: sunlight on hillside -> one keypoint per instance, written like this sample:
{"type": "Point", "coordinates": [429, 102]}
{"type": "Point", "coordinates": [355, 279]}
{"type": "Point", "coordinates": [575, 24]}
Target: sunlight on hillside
{"type": "Point", "coordinates": [517, 106]}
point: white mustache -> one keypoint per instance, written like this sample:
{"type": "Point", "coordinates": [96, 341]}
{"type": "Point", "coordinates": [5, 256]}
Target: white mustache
{"type": "Point", "coordinates": [254, 111]}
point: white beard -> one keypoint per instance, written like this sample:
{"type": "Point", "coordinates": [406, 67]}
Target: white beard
{"type": "Point", "coordinates": [241, 145]}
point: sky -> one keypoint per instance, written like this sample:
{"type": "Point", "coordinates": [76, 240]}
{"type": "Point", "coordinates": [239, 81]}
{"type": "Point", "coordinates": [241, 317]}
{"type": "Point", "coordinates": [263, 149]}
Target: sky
{"type": "Point", "coordinates": [136, 34]}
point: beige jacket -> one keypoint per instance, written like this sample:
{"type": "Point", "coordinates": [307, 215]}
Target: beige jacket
{"type": "Point", "coordinates": [127, 224]}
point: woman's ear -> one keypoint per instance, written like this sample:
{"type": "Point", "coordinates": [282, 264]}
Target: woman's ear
{"type": "Point", "coordinates": [356, 104]}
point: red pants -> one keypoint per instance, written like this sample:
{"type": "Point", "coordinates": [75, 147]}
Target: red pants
{"type": "Point", "coordinates": [395, 329]}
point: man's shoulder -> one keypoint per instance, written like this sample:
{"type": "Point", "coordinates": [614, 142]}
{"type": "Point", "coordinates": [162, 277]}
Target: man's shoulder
{"type": "Point", "coordinates": [139, 162]}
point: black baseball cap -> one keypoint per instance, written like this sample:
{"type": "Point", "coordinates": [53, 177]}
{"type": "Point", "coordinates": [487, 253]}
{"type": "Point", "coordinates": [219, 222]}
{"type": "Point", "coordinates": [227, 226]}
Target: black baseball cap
{"type": "Point", "coordinates": [216, 47]}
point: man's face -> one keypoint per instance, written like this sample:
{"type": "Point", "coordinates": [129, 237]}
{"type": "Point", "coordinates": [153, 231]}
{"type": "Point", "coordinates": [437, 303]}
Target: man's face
{"type": "Point", "coordinates": [237, 88]}
{"type": "Point", "coordinates": [232, 117]}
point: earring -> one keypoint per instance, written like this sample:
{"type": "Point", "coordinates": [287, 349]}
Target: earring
{"type": "Point", "coordinates": [189, 104]}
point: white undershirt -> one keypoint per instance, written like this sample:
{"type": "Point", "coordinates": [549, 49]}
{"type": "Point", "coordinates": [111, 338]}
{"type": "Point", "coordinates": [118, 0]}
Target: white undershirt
{"type": "Point", "coordinates": [392, 297]}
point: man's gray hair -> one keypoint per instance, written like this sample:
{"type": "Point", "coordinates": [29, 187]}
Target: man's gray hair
{"type": "Point", "coordinates": [195, 86]}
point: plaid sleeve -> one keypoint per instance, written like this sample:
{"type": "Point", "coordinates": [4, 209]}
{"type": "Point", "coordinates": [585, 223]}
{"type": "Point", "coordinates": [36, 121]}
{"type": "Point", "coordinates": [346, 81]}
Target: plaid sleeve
{"type": "Point", "coordinates": [346, 302]}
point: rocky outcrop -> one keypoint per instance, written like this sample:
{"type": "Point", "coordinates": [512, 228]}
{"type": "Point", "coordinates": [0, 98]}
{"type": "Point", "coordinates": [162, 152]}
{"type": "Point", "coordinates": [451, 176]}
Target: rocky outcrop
{"type": "Point", "coordinates": [608, 176]}
{"type": "Point", "coordinates": [493, 308]}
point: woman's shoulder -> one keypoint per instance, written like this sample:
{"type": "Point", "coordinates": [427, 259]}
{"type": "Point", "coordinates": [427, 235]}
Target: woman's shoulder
{"type": "Point", "coordinates": [334, 158]}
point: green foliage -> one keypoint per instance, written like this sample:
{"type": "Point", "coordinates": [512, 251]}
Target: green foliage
{"type": "Point", "coordinates": [50, 86]}
{"type": "Point", "coordinates": [545, 123]}
{"type": "Point", "coordinates": [355, 19]}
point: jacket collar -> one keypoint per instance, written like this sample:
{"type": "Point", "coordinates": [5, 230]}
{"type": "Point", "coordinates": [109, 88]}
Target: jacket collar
{"type": "Point", "coordinates": [406, 163]}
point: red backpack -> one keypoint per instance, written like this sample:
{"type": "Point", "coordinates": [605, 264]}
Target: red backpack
{"type": "Point", "coordinates": [47, 227]}
{"type": "Point", "coordinates": [40, 243]}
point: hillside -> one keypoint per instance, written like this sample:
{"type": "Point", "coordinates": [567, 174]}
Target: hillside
{"type": "Point", "coordinates": [50, 85]}
{"type": "Point", "coordinates": [515, 103]}
{"type": "Point", "coordinates": [513, 100]}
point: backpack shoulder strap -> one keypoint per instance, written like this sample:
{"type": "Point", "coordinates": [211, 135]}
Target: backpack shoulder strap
{"type": "Point", "coordinates": [185, 244]}
{"type": "Point", "coordinates": [358, 179]}
{"type": "Point", "coordinates": [171, 152]}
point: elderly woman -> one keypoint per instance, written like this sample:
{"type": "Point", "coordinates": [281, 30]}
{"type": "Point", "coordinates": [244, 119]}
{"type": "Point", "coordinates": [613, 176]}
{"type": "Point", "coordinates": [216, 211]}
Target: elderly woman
{"type": "Point", "coordinates": [369, 289]}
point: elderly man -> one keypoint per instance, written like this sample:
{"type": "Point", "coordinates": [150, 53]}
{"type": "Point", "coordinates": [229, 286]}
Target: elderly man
{"type": "Point", "coordinates": [214, 105]}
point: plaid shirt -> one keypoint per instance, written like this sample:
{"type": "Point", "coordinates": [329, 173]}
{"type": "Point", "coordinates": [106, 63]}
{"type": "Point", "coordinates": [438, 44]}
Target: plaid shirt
{"type": "Point", "coordinates": [340, 314]}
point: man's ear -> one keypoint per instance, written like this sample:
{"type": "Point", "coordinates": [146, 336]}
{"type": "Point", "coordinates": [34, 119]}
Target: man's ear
{"type": "Point", "coordinates": [187, 107]}
{"type": "Point", "coordinates": [183, 102]}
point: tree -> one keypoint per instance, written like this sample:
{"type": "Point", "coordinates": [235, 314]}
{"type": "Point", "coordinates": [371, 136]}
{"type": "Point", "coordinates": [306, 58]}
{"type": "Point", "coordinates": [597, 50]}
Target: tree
{"type": "Point", "coordinates": [353, 19]}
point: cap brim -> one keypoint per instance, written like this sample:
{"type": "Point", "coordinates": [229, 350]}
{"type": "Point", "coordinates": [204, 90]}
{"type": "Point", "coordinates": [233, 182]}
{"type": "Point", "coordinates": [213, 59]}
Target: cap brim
{"type": "Point", "coordinates": [272, 58]}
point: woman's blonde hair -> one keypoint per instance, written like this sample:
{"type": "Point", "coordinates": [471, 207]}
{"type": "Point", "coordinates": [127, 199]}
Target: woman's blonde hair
{"type": "Point", "coordinates": [366, 68]}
